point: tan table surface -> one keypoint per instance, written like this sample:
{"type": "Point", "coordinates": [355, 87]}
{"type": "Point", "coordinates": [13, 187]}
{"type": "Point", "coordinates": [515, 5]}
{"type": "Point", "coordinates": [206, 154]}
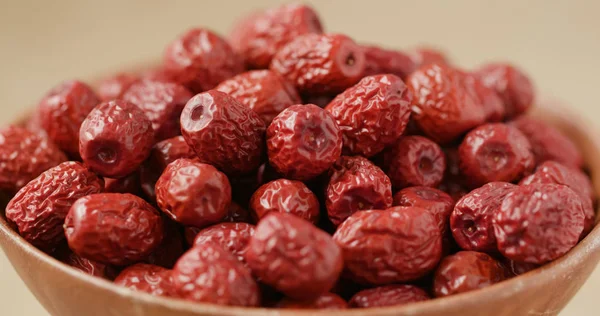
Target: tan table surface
{"type": "Point", "coordinates": [44, 42]}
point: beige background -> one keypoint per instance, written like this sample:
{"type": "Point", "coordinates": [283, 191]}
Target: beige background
{"type": "Point", "coordinates": [44, 42]}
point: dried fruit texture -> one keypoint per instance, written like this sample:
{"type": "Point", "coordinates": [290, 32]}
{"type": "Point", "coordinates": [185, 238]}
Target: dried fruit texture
{"type": "Point", "coordinates": [293, 256]}
{"type": "Point", "coordinates": [437, 202]}
{"type": "Point", "coordinates": [422, 56]}
{"type": "Point", "coordinates": [395, 245]}
{"type": "Point", "coordinates": [128, 184]}
{"type": "Point", "coordinates": [466, 271]}
{"type": "Point", "coordinates": [487, 97]}
{"type": "Point", "coordinates": [115, 86]}
{"type": "Point", "coordinates": [162, 102]}
{"type": "Point", "coordinates": [471, 219]}
{"type": "Point", "coordinates": [286, 196]}
{"type": "Point", "coordinates": [24, 155]}
{"type": "Point", "coordinates": [326, 301]}
{"type": "Point", "coordinates": [356, 184]}
{"type": "Point", "coordinates": [443, 107]}
{"type": "Point", "coordinates": [193, 193]}
{"type": "Point", "coordinates": [115, 138]}
{"type": "Point", "coordinates": [511, 84]}
{"type": "Point", "coordinates": [389, 295]}
{"type": "Point", "coordinates": [231, 236]}
{"type": "Point", "coordinates": [208, 273]}
{"type": "Point", "coordinates": [453, 182]}
{"type": "Point", "coordinates": [62, 110]}
{"type": "Point", "coordinates": [223, 132]}
{"type": "Point", "coordinates": [415, 161]}
{"type": "Point", "coordinates": [495, 152]}
{"type": "Point", "coordinates": [517, 268]}
{"type": "Point", "coordinates": [40, 207]}
{"type": "Point", "coordinates": [380, 60]}
{"type": "Point", "coordinates": [170, 248]}
{"type": "Point", "coordinates": [303, 141]}
{"type": "Point", "coordinates": [317, 63]}
{"type": "Point", "coordinates": [260, 36]}
{"type": "Point", "coordinates": [90, 267]}
{"type": "Point", "coordinates": [235, 214]}
{"type": "Point", "coordinates": [200, 59]}
{"type": "Point", "coordinates": [263, 91]}
{"type": "Point", "coordinates": [147, 278]}
{"type": "Point", "coordinates": [113, 228]}
{"type": "Point", "coordinates": [555, 172]}
{"type": "Point", "coordinates": [372, 114]}
{"type": "Point", "coordinates": [538, 223]}
{"type": "Point", "coordinates": [548, 143]}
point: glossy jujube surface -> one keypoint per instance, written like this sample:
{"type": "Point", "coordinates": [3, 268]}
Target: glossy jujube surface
{"type": "Point", "coordinates": [388, 295]}
{"type": "Point", "coordinates": [286, 196]}
{"type": "Point", "coordinates": [231, 236]}
{"type": "Point", "coordinates": [147, 278]}
{"type": "Point", "coordinates": [439, 203]}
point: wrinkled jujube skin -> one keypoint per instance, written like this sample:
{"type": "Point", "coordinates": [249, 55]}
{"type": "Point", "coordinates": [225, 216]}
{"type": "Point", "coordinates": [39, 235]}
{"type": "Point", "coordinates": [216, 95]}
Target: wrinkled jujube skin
{"type": "Point", "coordinates": [200, 59]}
{"type": "Point", "coordinates": [437, 202]}
{"type": "Point", "coordinates": [514, 268]}
{"type": "Point", "coordinates": [356, 184]}
{"type": "Point", "coordinates": [68, 257]}
{"type": "Point", "coordinates": [326, 301]}
{"type": "Point", "coordinates": [162, 102]}
{"type": "Point", "coordinates": [453, 182]}
{"type": "Point", "coordinates": [422, 56]}
{"type": "Point", "coordinates": [62, 110]}
{"type": "Point", "coordinates": [388, 295]}
{"type": "Point", "coordinates": [223, 132]}
{"type": "Point", "coordinates": [548, 143]}
{"type": "Point", "coordinates": [372, 114]}
{"type": "Point", "coordinates": [443, 107]}
{"type": "Point", "coordinates": [495, 152]}
{"type": "Point", "coordinates": [115, 86]}
{"type": "Point", "coordinates": [538, 223]}
{"type": "Point", "coordinates": [193, 193]}
{"type": "Point", "coordinates": [389, 246]}
{"type": "Point", "coordinates": [235, 214]}
{"type": "Point", "coordinates": [379, 60]}
{"type": "Point", "coordinates": [24, 155]}
{"type": "Point", "coordinates": [170, 248]}
{"type": "Point", "coordinates": [415, 161]}
{"type": "Point", "coordinates": [293, 256]}
{"type": "Point", "coordinates": [115, 138]}
{"type": "Point", "coordinates": [320, 63]}
{"type": "Point", "coordinates": [128, 184]}
{"type": "Point", "coordinates": [303, 141]}
{"type": "Point", "coordinates": [258, 37]}
{"type": "Point", "coordinates": [231, 236]}
{"type": "Point", "coordinates": [40, 207]}
{"type": "Point", "coordinates": [512, 85]}
{"type": "Point", "coordinates": [471, 219]}
{"type": "Point", "coordinates": [466, 271]}
{"type": "Point", "coordinates": [208, 273]}
{"type": "Point", "coordinates": [147, 278]}
{"type": "Point", "coordinates": [487, 97]}
{"type": "Point", "coordinates": [287, 196]}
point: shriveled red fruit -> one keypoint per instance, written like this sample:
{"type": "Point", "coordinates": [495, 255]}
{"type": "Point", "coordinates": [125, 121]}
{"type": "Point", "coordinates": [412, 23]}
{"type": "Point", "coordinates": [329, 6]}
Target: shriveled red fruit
{"type": "Point", "coordinates": [443, 107]}
{"type": "Point", "coordinates": [199, 59]}
{"type": "Point", "coordinates": [388, 295]}
{"type": "Point", "coordinates": [223, 132]}
{"type": "Point", "coordinates": [538, 223]}
{"type": "Point", "coordinates": [263, 91]}
{"type": "Point", "coordinates": [208, 273]}
{"type": "Point", "coordinates": [389, 246]}
{"type": "Point", "coordinates": [372, 114]}
{"type": "Point", "coordinates": [147, 278]}
{"type": "Point", "coordinates": [115, 86]}
{"type": "Point", "coordinates": [487, 97]}
{"type": "Point", "coordinates": [62, 111]}
{"type": "Point", "coordinates": [548, 143]}
{"type": "Point", "coordinates": [260, 36]}
{"type": "Point", "coordinates": [415, 161]}
{"type": "Point", "coordinates": [514, 268]}
{"type": "Point", "coordinates": [113, 228]}
{"type": "Point", "coordinates": [115, 138]}
{"type": "Point", "coordinates": [437, 202]}
{"type": "Point", "coordinates": [170, 248]}
{"type": "Point", "coordinates": [303, 141]}
{"type": "Point", "coordinates": [318, 63]}
{"type": "Point", "coordinates": [495, 152]}
{"type": "Point", "coordinates": [422, 56]}
{"type": "Point", "coordinates": [471, 219]}
{"type": "Point", "coordinates": [293, 256]}
{"type": "Point", "coordinates": [453, 182]}
{"type": "Point", "coordinates": [286, 196]}
{"type": "Point", "coordinates": [379, 60]}
{"type": "Point", "coordinates": [235, 214]}
{"type": "Point", "coordinates": [466, 271]}
{"type": "Point", "coordinates": [231, 236]}
{"type": "Point", "coordinates": [356, 184]}
{"type": "Point", "coordinates": [128, 184]}
{"type": "Point", "coordinates": [82, 264]}
{"type": "Point", "coordinates": [162, 102]}
{"type": "Point", "coordinates": [40, 207]}
{"type": "Point", "coordinates": [326, 301]}
{"type": "Point", "coordinates": [193, 193]}
{"type": "Point", "coordinates": [511, 84]}
{"type": "Point", "coordinates": [24, 155]}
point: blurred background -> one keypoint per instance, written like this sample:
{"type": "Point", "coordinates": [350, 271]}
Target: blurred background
{"type": "Point", "coordinates": [45, 42]}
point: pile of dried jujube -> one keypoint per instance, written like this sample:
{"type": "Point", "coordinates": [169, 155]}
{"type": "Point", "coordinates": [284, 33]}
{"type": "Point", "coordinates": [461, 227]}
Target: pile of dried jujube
{"type": "Point", "coordinates": [292, 168]}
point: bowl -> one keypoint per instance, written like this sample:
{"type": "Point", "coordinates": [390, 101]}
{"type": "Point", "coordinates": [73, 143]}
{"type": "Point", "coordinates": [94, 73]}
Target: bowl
{"type": "Point", "coordinates": [65, 291]}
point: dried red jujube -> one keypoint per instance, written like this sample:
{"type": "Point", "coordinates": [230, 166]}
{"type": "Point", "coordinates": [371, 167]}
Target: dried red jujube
{"type": "Point", "coordinates": [437, 202]}
{"type": "Point", "coordinates": [415, 161]}
{"type": "Point", "coordinates": [388, 295]}
{"type": "Point", "coordinates": [286, 196]}
{"type": "Point", "coordinates": [511, 84]}
{"type": "Point", "coordinates": [231, 236]}
{"type": "Point", "coordinates": [147, 278]}
{"type": "Point", "coordinates": [327, 301]}
{"type": "Point", "coordinates": [115, 86]}
{"type": "Point", "coordinates": [379, 60]}
{"type": "Point", "coordinates": [466, 271]}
